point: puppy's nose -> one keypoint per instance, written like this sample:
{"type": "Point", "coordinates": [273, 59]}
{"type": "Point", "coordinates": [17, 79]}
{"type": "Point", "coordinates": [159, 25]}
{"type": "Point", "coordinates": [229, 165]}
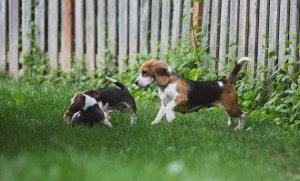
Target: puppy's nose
{"type": "Point", "coordinates": [136, 82]}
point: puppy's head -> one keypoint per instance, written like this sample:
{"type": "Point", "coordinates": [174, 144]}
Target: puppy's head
{"type": "Point", "coordinates": [80, 101]}
{"type": "Point", "coordinates": [153, 71]}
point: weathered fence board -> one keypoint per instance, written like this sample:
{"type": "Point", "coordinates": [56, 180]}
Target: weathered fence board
{"type": "Point", "coordinates": [262, 33]}
{"type": "Point", "coordinates": [187, 16]}
{"type": "Point", "coordinates": [79, 29]}
{"type": "Point", "coordinates": [165, 27]}
{"type": "Point", "coordinates": [90, 34]}
{"type": "Point", "coordinates": [133, 32]}
{"type": "Point", "coordinates": [214, 35]}
{"type": "Point", "coordinates": [53, 34]}
{"type": "Point", "coordinates": [233, 26]}
{"type": "Point", "coordinates": [273, 30]}
{"type": "Point", "coordinates": [26, 29]}
{"type": "Point", "coordinates": [112, 29]}
{"type": "Point", "coordinates": [176, 22]}
{"type": "Point", "coordinates": [206, 20]}
{"type": "Point", "coordinates": [242, 30]}
{"type": "Point", "coordinates": [223, 33]}
{"type": "Point", "coordinates": [40, 24]}
{"type": "Point", "coordinates": [123, 34]}
{"type": "Point", "coordinates": [283, 31]}
{"type": "Point", "coordinates": [253, 24]}
{"type": "Point", "coordinates": [144, 26]}
{"type": "Point", "coordinates": [14, 21]}
{"type": "Point", "coordinates": [67, 36]}
{"type": "Point", "coordinates": [293, 29]}
{"type": "Point", "coordinates": [101, 27]}
{"type": "Point", "coordinates": [155, 25]}
{"type": "Point", "coordinates": [3, 34]}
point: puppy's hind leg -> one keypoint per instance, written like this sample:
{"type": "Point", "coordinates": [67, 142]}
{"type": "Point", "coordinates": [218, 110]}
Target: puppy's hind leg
{"type": "Point", "coordinates": [241, 124]}
{"type": "Point", "coordinates": [133, 118]}
{"type": "Point", "coordinates": [107, 123]}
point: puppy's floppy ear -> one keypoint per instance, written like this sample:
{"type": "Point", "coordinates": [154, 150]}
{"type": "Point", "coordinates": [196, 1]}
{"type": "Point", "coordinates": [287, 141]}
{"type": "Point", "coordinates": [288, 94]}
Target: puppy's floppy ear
{"type": "Point", "coordinates": [78, 103]}
{"type": "Point", "coordinates": [94, 93]}
{"type": "Point", "coordinates": [161, 73]}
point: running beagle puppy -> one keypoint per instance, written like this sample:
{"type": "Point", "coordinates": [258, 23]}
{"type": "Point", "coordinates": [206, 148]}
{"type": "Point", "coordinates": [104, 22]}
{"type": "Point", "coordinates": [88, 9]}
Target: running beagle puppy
{"type": "Point", "coordinates": [108, 99]}
{"type": "Point", "coordinates": [184, 96]}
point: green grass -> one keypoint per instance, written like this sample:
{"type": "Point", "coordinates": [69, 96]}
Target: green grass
{"type": "Point", "coordinates": [36, 144]}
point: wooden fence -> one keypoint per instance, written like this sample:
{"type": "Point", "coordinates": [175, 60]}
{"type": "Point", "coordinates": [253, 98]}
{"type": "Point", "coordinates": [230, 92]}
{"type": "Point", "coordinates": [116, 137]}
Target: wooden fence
{"type": "Point", "coordinates": [248, 27]}
{"type": "Point", "coordinates": [69, 30]}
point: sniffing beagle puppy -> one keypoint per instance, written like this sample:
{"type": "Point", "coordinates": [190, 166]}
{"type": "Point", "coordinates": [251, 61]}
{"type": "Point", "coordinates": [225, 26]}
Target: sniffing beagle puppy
{"type": "Point", "coordinates": [84, 110]}
{"type": "Point", "coordinates": [110, 99]}
{"type": "Point", "coordinates": [184, 96]}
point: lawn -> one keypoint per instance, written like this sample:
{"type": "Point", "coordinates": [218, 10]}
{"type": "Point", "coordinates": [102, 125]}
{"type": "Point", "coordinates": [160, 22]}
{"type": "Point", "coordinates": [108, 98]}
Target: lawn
{"type": "Point", "coordinates": [36, 144]}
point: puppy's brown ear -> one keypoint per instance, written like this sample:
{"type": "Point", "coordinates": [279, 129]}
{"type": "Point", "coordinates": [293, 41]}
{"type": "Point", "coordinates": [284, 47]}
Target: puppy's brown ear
{"type": "Point", "coordinates": [78, 103]}
{"type": "Point", "coordinates": [162, 76]}
{"type": "Point", "coordinates": [93, 93]}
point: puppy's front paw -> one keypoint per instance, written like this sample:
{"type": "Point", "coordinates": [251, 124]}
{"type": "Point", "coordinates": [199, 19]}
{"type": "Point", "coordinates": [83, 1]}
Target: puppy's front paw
{"type": "Point", "coordinates": [170, 116]}
{"type": "Point", "coordinates": [154, 123]}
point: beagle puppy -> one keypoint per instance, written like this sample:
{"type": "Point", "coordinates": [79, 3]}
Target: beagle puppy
{"type": "Point", "coordinates": [184, 96]}
{"type": "Point", "coordinates": [84, 109]}
{"type": "Point", "coordinates": [111, 99]}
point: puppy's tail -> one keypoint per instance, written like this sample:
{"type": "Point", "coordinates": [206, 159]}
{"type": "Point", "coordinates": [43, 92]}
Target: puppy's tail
{"type": "Point", "coordinates": [237, 69]}
{"type": "Point", "coordinates": [122, 87]}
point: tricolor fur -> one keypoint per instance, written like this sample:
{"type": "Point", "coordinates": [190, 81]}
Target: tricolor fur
{"type": "Point", "coordinates": [184, 96]}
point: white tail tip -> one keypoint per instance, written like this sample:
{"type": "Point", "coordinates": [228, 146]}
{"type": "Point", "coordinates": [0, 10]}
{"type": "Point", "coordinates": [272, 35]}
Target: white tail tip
{"type": "Point", "coordinates": [244, 59]}
{"type": "Point", "coordinates": [111, 79]}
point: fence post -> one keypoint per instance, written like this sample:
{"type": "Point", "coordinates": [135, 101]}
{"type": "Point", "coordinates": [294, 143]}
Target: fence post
{"type": "Point", "coordinates": [3, 34]}
{"type": "Point", "coordinates": [14, 38]}
{"type": "Point", "coordinates": [67, 36]}
{"type": "Point", "coordinates": [53, 34]}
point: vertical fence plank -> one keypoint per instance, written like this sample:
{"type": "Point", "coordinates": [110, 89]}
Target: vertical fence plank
{"type": "Point", "coordinates": [26, 29]}
{"type": "Point", "coordinates": [123, 34]}
{"type": "Point", "coordinates": [233, 26]}
{"type": "Point", "coordinates": [144, 26]}
{"type": "Point", "coordinates": [252, 40]}
{"type": "Point", "coordinates": [3, 34]}
{"type": "Point", "coordinates": [214, 35]}
{"type": "Point", "coordinates": [283, 31]}
{"type": "Point", "coordinates": [187, 16]}
{"type": "Point", "coordinates": [197, 16]}
{"type": "Point", "coordinates": [112, 28]}
{"type": "Point", "coordinates": [13, 38]}
{"type": "Point", "coordinates": [262, 34]}
{"type": "Point", "coordinates": [223, 33]}
{"type": "Point", "coordinates": [133, 31]}
{"type": "Point", "coordinates": [155, 24]}
{"type": "Point", "coordinates": [165, 27]}
{"type": "Point", "coordinates": [101, 39]}
{"type": "Point", "coordinates": [90, 34]}
{"type": "Point", "coordinates": [67, 36]}
{"type": "Point", "coordinates": [242, 40]}
{"type": "Point", "coordinates": [206, 20]}
{"type": "Point", "coordinates": [79, 28]}
{"type": "Point", "coordinates": [273, 30]}
{"type": "Point", "coordinates": [176, 22]}
{"type": "Point", "coordinates": [40, 22]}
{"type": "Point", "coordinates": [53, 33]}
{"type": "Point", "coordinates": [293, 29]}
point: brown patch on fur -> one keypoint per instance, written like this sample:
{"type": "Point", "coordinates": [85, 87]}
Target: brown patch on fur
{"type": "Point", "coordinates": [94, 93]}
{"type": "Point", "coordinates": [181, 88]}
{"type": "Point", "coordinates": [157, 70]}
{"type": "Point", "coordinates": [229, 100]}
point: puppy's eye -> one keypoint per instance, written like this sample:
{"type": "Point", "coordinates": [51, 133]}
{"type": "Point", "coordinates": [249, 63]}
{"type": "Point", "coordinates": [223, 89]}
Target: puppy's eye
{"type": "Point", "coordinates": [144, 72]}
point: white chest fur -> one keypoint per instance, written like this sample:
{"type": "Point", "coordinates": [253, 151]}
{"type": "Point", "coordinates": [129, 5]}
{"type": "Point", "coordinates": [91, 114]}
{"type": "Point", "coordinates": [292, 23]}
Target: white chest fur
{"type": "Point", "coordinates": [168, 94]}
